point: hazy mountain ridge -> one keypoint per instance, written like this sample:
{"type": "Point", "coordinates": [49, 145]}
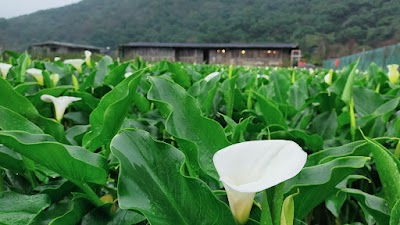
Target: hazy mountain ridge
{"type": "Point", "coordinates": [321, 27]}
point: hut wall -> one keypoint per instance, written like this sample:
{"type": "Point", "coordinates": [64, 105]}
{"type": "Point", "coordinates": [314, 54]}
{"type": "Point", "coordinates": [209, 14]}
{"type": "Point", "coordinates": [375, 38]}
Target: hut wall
{"type": "Point", "coordinates": [190, 55]}
{"type": "Point", "coordinates": [150, 54]}
{"type": "Point", "coordinates": [252, 57]}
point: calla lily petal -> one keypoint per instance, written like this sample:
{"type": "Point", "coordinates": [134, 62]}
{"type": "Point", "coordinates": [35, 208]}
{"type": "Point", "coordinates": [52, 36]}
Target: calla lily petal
{"type": "Point", "coordinates": [55, 78]}
{"type": "Point", "coordinates": [60, 103]}
{"type": "Point", "coordinates": [211, 76]}
{"type": "Point", "coordinates": [4, 68]}
{"type": "Point", "coordinates": [76, 63]}
{"type": "Point", "coordinates": [87, 58]}
{"type": "Point", "coordinates": [393, 73]}
{"type": "Point", "coordinates": [56, 59]}
{"type": "Point", "coordinates": [128, 74]}
{"type": "Point", "coordinates": [249, 167]}
{"type": "Point", "coordinates": [328, 77]}
{"type": "Point", "coordinates": [37, 74]}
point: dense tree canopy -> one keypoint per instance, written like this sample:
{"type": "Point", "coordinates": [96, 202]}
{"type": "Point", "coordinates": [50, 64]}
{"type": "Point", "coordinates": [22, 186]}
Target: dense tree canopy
{"type": "Point", "coordinates": [323, 28]}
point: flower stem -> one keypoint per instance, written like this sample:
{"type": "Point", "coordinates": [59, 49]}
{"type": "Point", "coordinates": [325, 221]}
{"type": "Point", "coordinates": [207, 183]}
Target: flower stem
{"type": "Point", "coordinates": [352, 120]}
{"type": "Point", "coordinates": [2, 186]}
{"type": "Point", "coordinates": [91, 194]}
{"type": "Point", "coordinates": [266, 218]}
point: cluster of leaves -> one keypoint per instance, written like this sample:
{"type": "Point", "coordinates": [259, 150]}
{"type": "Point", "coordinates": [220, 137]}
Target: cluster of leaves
{"type": "Point", "coordinates": [138, 149]}
{"type": "Point", "coordinates": [321, 27]}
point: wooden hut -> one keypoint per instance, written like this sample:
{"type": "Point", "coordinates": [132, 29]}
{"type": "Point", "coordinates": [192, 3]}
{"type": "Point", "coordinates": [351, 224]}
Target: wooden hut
{"type": "Point", "coordinates": [271, 54]}
{"type": "Point", "coordinates": [60, 49]}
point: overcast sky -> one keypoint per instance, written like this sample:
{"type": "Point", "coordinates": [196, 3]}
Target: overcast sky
{"type": "Point", "coordinates": [13, 8]}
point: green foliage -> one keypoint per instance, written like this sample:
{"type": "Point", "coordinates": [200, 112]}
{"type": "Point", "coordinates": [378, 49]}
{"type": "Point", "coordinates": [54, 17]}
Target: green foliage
{"type": "Point", "coordinates": [89, 169]}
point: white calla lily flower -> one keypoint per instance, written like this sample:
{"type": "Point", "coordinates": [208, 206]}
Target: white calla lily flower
{"type": "Point", "coordinates": [393, 73]}
{"type": "Point", "coordinates": [60, 103]}
{"type": "Point", "coordinates": [76, 63]}
{"type": "Point", "coordinates": [88, 54]}
{"type": "Point", "coordinates": [211, 76]}
{"type": "Point", "coordinates": [328, 77]}
{"type": "Point", "coordinates": [55, 78]}
{"type": "Point", "coordinates": [37, 74]}
{"type": "Point", "coordinates": [4, 68]}
{"type": "Point", "coordinates": [56, 59]}
{"type": "Point", "coordinates": [249, 167]}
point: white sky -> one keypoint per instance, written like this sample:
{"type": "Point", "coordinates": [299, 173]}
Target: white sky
{"type": "Point", "coordinates": [13, 8]}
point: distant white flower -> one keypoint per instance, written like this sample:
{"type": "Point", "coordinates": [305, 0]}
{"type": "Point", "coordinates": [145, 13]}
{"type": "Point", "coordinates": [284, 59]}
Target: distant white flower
{"type": "Point", "coordinates": [57, 59]}
{"type": "Point", "coordinates": [262, 76]}
{"type": "Point", "coordinates": [311, 71]}
{"type": "Point", "coordinates": [128, 74]}
{"type": "Point", "coordinates": [328, 77]}
{"type": "Point", "coordinates": [211, 76]}
{"type": "Point", "coordinates": [87, 58]}
{"type": "Point", "coordinates": [249, 167]}
{"type": "Point", "coordinates": [60, 104]}
{"type": "Point", "coordinates": [393, 73]}
{"type": "Point", "coordinates": [76, 63]}
{"type": "Point", "coordinates": [37, 74]}
{"type": "Point", "coordinates": [4, 68]}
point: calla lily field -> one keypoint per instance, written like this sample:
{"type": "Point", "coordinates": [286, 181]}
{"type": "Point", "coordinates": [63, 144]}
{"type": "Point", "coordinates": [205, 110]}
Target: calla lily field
{"type": "Point", "coordinates": [112, 142]}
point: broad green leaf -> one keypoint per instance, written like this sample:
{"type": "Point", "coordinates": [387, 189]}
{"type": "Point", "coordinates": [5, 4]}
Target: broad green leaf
{"type": "Point", "coordinates": [375, 206]}
{"type": "Point", "coordinates": [347, 94]}
{"type": "Point", "coordinates": [19, 71]}
{"type": "Point", "coordinates": [325, 124]}
{"type": "Point", "coordinates": [317, 183]}
{"type": "Point", "coordinates": [366, 101]}
{"type": "Point", "coordinates": [186, 123]}
{"type": "Point", "coordinates": [108, 117]}
{"type": "Point", "coordinates": [228, 87]}
{"type": "Point", "coordinates": [72, 162]}
{"type": "Point", "coordinates": [102, 70]}
{"type": "Point", "coordinates": [179, 75]}
{"type": "Point", "coordinates": [388, 169]}
{"type": "Point", "coordinates": [18, 209]}
{"type": "Point", "coordinates": [77, 208]}
{"type": "Point", "coordinates": [335, 202]}
{"type": "Point", "coordinates": [298, 94]}
{"type": "Point", "coordinates": [21, 105]}
{"type": "Point", "coordinates": [161, 192]}
{"type": "Point", "coordinates": [281, 85]}
{"type": "Point", "coordinates": [395, 214]}
{"type": "Point", "coordinates": [115, 76]}
{"type": "Point", "coordinates": [270, 112]}
{"type": "Point", "coordinates": [204, 92]}
{"type": "Point", "coordinates": [104, 216]}
{"type": "Point", "coordinates": [14, 121]}
{"type": "Point", "coordinates": [11, 160]}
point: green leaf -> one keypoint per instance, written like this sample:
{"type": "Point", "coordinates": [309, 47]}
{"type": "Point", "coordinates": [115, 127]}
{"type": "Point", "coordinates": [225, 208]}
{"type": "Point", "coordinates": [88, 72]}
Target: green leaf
{"type": "Point", "coordinates": [103, 216]}
{"type": "Point", "coordinates": [375, 206]}
{"type": "Point", "coordinates": [186, 123]}
{"type": "Point", "coordinates": [115, 76]}
{"type": "Point", "coordinates": [395, 214]}
{"type": "Point", "coordinates": [298, 94]}
{"type": "Point", "coordinates": [287, 215]}
{"type": "Point", "coordinates": [77, 208]}
{"type": "Point", "coordinates": [14, 121]}
{"type": "Point", "coordinates": [347, 94]}
{"type": "Point", "coordinates": [72, 162]}
{"type": "Point", "coordinates": [317, 183]}
{"type": "Point", "coordinates": [229, 87]}
{"type": "Point", "coordinates": [102, 70]}
{"type": "Point", "coordinates": [388, 169]}
{"type": "Point", "coordinates": [281, 86]}
{"type": "Point", "coordinates": [366, 101]}
{"type": "Point", "coordinates": [179, 75]}
{"type": "Point", "coordinates": [325, 124]}
{"type": "Point", "coordinates": [19, 71]}
{"type": "Point", "coordinates": [270, 112]}
{"type": "Point", "coordinates": [11, 160]}
{"type": "Point", "coordinates": [108, 117]}
{"type": "Point", "coordinates": [335, 202]}
{"type": "Point", "coordinates": [17, 209]}
{"type": "Point", "coordinates": [161, 192]}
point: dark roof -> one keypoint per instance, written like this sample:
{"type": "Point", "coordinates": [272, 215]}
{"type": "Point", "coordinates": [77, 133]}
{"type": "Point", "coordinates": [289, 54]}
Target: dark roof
{"type": "Point", "coordinates": [69, 45]}
{"type": "Point", "coordinates": [212, 45]}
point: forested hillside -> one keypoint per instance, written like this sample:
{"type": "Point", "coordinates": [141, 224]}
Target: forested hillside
{"type": "Point", "coordinates": [323, 28]}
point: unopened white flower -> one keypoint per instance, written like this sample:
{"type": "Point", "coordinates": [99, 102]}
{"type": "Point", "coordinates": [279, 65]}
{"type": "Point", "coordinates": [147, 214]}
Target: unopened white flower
{"type": "Point", "coordinates": [211, 76]}
{"type": "Point", "coordinates": [37, 74]}
{"type": "Point", "coordinates": [4, 68]}
{"type": "Point", "coordinates": [55, 78]}
{"type": "Point", "coordinates": [328, 77]}
{"type": "Point", "coordinates": [262, 76]}
{"type": "Point", "coordinates": [57, 59]}
{"type": "Point", "coordinates": [128, 74]}
{"type": "Point", "coordinates": [76, 63]}
{"type": "Point", "coordinates": [87, 58]}
{"type": "Point", "coordinates": [249, 167]}
{"type": "Point", "coordinates": [60, 104]}
{"type": "Point", "coordinates": [393, 73]}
